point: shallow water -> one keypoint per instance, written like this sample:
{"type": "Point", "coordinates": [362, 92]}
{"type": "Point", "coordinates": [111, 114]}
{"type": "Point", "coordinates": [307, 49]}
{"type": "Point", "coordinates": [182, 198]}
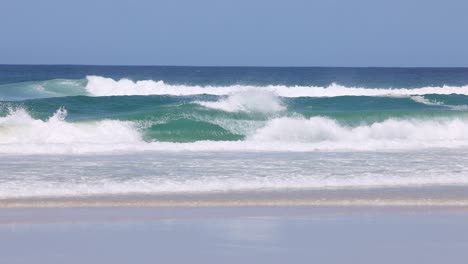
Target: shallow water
{"type": "Point", "coordinates": [223, 172]}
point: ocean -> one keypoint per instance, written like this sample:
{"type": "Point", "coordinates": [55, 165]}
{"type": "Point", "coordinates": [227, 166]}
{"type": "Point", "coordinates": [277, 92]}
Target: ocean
{"type": "Point", "coordinates": [116, 131]}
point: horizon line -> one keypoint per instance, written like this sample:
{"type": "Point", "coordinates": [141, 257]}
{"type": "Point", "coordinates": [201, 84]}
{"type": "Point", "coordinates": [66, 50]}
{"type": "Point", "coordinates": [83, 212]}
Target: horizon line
{"type": "Point", "coordinates": [216, 66]}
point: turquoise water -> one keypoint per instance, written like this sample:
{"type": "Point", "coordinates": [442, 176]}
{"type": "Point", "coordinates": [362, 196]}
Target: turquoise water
{"type": "Point", "coordinates": [127, 111]}
{"type": "Point", "coordinates": [283, 111]}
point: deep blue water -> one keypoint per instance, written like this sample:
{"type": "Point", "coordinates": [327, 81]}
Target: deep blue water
{"type": "Point", "coordinates": [304, 76]}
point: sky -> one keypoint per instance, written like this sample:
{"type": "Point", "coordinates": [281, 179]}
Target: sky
{"type": "Point", "coordinates": [235, 32]}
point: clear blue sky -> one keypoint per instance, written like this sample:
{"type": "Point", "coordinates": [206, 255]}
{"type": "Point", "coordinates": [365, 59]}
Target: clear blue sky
{"type": "Point", "coordinates": [235, 32]}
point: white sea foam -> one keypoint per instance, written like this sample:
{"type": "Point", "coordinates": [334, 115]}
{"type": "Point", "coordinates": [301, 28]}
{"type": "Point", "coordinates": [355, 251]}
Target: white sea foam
{"type": "Point", "coordinates": [101, 86]}
{"type": "Point", "coordinates": [156, 173]}
{"type": "Point", "coordinates": [248, 101]}
{"type": "Point", "coordinates": [321, 129]}
{"type": "Point", "coordinates": [19, 133]}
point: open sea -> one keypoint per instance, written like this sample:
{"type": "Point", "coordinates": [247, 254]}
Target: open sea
{"type": "Point", "coordinates": [92, 131]}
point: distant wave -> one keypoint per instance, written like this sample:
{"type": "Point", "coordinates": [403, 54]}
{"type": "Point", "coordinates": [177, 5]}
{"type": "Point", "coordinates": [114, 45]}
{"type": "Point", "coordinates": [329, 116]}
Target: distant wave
{"type": "Point", "coordinates": [425, 101]}
{"type": "Point", "coordinates": [42, 89]}
{"type": "Point", "coordinates": [102, 86]}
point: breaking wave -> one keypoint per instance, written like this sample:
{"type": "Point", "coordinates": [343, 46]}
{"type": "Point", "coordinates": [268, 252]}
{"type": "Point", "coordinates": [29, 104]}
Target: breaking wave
{"type": "Point", "coordinates": [21, 133]}
{"type": "Point", "coordinates": [102, 86]}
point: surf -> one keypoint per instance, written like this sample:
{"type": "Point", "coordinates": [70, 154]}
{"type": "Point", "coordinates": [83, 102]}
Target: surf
{"type": "Point", "coordinates": [101, 86]}
{"type": "Point", "coordinates": [104, 86]}
{"type": "Point", "coordinates": [22, 134]}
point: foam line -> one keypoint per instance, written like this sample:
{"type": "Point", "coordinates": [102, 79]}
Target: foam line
{"type": "Point", "coordinates": [101, 86]}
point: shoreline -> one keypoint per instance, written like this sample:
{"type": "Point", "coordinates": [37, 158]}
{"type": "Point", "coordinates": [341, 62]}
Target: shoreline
{"type": "Point", "coordinates": [235, 204]}
{"type": "Point", "coordinates": [440, 196]}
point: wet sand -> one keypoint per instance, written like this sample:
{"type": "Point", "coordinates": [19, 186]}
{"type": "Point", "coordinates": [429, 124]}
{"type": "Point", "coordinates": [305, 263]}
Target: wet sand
{"type": "Point", "coordinates": [386, 225]}
{"type": "Point", "coordinates": [240, 234]}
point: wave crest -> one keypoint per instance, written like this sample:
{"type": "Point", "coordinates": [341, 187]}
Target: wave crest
{"type": "Point", "coordinates": [22, 134]}
{"type": "Point", "coordinates": [101, 86]}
